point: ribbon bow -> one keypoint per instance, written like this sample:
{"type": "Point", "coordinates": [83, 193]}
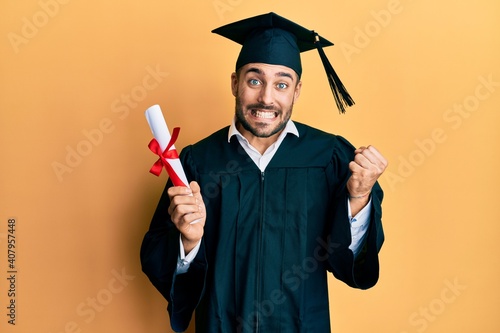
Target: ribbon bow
{"type": "Point", "coordinates": [167, 154]}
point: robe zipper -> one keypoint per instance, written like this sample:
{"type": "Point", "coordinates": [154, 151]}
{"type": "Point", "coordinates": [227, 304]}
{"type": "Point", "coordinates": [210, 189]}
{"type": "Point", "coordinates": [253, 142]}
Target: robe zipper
{"type": "Point", "coordinates": [259, 270]}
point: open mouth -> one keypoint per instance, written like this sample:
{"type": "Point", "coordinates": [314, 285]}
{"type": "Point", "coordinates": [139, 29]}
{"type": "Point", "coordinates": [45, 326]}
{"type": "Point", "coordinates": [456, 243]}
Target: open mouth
{"type": "Point", "coordinates": [264, 114]}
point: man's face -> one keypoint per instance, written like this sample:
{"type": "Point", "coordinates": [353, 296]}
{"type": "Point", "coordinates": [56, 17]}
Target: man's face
{"type": "Point", "coordinates": [265, 95]}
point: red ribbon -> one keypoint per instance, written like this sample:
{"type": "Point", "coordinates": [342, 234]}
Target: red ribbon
{"type": "Point", "coordinates": [167, 154]}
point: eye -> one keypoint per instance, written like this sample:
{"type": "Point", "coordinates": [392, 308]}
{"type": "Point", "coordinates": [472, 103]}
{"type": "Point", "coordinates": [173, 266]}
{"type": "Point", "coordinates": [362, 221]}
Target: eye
{"type": "Point", "coordinates": [254, 82]}
{"type": "Point", "coordinates": [282, 85]}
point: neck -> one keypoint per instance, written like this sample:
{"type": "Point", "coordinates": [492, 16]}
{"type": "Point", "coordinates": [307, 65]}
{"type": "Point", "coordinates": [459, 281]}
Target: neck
{"type": "Point", "coordinates": [259, 143]}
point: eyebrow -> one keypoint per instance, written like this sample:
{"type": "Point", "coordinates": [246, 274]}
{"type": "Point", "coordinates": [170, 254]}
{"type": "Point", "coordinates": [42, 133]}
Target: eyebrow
{"type": "Point", "coordinates": [258, 71]}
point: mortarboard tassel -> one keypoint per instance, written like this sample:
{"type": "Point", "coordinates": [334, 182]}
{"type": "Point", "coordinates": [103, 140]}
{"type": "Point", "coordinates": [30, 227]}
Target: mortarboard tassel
{"type": "Point", "coordinates": [342, 97]}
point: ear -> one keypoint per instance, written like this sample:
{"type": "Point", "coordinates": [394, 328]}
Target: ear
{"type": "Point", "coordinates": [234, 84]}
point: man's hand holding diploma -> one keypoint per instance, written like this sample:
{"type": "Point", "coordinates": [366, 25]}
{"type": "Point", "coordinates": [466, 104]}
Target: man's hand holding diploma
{"type": "Point", "coordinates": [187, 207]}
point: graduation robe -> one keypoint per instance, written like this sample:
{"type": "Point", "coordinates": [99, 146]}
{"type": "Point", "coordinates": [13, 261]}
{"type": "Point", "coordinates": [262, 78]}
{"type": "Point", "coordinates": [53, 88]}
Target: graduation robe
{"type": "Point", "coordinates": [270, 237]}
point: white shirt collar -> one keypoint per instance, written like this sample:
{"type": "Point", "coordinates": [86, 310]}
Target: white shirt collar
{"type": "Point", "coordinates": [262, 160]}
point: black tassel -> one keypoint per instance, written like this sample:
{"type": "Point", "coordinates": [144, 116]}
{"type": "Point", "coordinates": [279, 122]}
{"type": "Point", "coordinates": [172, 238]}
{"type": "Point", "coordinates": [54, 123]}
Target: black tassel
{"type": "Point", "coordinates": [342, 97]}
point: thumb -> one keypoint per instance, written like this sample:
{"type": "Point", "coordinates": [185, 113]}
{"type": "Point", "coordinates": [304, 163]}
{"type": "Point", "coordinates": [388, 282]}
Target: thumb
{"type": "Point", "coordinates": [195, 188]}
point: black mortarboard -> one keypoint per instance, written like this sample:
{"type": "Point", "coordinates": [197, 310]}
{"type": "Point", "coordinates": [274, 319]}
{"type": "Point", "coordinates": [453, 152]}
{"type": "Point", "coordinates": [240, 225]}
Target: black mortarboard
{"type": "Point", "coordinates": [272, 39]}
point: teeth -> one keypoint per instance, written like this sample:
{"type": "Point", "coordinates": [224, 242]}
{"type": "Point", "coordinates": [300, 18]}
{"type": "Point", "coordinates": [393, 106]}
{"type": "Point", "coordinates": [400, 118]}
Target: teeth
{"type": "Point", "coordinates": [266, 115]}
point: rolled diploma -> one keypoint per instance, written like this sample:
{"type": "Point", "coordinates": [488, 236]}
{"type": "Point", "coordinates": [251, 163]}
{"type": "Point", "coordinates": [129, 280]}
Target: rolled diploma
{"type": "Point", "coordinates": [158, 126]}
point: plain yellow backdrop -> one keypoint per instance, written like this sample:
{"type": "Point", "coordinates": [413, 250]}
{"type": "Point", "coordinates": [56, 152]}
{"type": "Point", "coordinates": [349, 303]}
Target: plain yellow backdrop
{"type": "Point", "coordinates": [77, 76]}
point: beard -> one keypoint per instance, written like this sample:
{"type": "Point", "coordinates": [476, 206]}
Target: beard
{"type": "Point", "coordinates": [262, 129]}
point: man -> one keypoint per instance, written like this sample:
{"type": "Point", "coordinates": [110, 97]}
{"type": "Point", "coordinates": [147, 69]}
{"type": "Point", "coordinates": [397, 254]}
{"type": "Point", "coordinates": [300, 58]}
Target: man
{"type": "Point", "coordinates": [272, 207]}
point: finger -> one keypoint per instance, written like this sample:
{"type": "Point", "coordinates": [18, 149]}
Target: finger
{"type": "Point", "coordinates": [369, 156]}
{"type": "Point", "coordinates": [355, 168]}
{"type": "Point", "coordinates": [362, 160]}
{"type": "Point", "coordinates": [187, 208]}
{"type": "Point", "coordinates": [359, 150]}
{"type": "Point", "coordinates": [375, 158]}
{"type": "Point", "coordinates": [191, 205]}
{"type": "Point", "coordinates": [178, 190]}
{"type": "Point", "coordinates": [197, 194]}
{"type": "Point", "coordinates": [191, 213]}
{"type": "Point", "coordinates": [379, 157]}
{"type": "Point", "coordinates": [195, 188]}
{"type": "Point", "coordinates": [362, 168]}
{"type": "Point", "coordinates": [185, 213]}
{"type": "Point", "coordinates": [194, 218]}
{"type": "Point", "coordinates": [179, 201]}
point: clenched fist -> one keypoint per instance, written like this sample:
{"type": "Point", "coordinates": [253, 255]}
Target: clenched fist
{"type": "Point", "coordinates": [366, 168]}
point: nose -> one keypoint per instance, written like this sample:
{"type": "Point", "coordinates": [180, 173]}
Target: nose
{"type": "Point", "coordinates": [266, 95]}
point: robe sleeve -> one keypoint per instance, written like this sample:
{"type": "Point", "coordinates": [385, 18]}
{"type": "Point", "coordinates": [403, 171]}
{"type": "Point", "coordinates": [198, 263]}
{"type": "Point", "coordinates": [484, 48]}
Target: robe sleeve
{"type": "Point", "coordinates": [362, 272]}
{"type": "Point", "coordinates": [159, 254]}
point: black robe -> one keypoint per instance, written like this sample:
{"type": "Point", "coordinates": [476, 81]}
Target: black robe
{"type": "Point", "coordinates": [270, 237]}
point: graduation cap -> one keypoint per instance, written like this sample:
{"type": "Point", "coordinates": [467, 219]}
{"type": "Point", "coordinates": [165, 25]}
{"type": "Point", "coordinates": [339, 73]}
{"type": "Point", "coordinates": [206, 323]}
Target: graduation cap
{"type": "Point", "coordinates": [275, 40]}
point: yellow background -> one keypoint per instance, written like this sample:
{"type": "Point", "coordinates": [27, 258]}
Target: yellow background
{"type": "Point", "coordinates": [76, 76]}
